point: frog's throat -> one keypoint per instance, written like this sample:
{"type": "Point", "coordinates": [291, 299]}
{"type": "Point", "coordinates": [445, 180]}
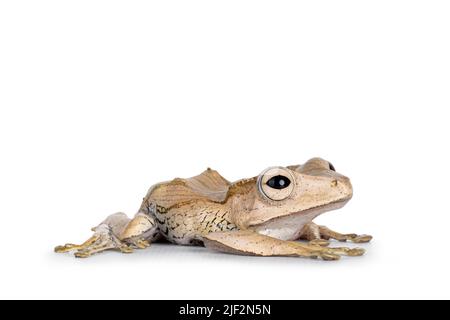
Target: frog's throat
{"type": "Point", "coordinates": [290, 226]}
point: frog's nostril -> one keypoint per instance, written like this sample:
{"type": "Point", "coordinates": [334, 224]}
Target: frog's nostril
{"type": "Point", "coordinates": [344, 186]}
{"type": "Point", "coordinates": [347, 186]}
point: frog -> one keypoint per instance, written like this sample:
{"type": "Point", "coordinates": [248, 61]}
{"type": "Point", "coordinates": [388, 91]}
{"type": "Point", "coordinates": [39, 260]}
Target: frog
{"type": "Point", "coordinates": [266, 215]}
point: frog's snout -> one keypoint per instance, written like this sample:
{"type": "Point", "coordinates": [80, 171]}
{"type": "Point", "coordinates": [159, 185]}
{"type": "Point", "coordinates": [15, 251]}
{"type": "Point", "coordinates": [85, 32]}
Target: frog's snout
{"type": "Point", "coordinates": [344, 186]}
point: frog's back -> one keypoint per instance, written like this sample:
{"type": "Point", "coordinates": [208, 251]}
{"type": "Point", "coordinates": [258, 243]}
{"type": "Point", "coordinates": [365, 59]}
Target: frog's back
{"type": "Point", "coordinates": [184, 209]}
{"type": "Point", "coordinates": [207, 186]}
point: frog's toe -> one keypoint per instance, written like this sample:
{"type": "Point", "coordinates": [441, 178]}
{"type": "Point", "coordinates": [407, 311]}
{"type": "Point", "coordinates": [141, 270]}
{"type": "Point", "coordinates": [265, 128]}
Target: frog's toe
{"type": "Point", "coordinates": [353, 252]}
{"type": "Point", "coordinates": [139, 243]}
{"type": "Point", "coordinates": [327, 256]}
{"type": "Point", "coordinates": [90, 251]}
{"type": "Point", "coordinates": [142, 244]}
{"type": "Point", "coordinates": [64, 248]}
{"type": "Point", "coordinates": [82, 254]}
{"type": "Point", "coordinates": [70, 246]}
{"type": "Point", "coordinates": [348, 236]}
{"type": "Point", "coordinates": [362, 238]}
{"type": "Point", "coordinates": [320, 242]}
{"type": "Point", "coordinates": [126, 249]}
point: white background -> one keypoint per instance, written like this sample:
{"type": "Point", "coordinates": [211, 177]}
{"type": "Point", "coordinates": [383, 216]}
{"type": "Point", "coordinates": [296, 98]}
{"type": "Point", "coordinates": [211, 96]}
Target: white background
{"type": "Point", "coordinates": [101, 99]}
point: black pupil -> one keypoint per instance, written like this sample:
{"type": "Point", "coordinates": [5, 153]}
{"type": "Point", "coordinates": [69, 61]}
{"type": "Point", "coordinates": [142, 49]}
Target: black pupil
{"type": "Point", "coordinates": [331, 166]}
{"type": "Point", "coordinates": [279, 182]}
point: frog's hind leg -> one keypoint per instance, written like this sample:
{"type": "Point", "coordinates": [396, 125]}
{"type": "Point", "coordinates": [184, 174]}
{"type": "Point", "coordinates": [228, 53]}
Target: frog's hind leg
{"type": "Point", "coordinates": [116, 232]}
{"type": "Point", "coordinates": [320, 235]}
{"type": "Point", "coordinates": [247, 242]}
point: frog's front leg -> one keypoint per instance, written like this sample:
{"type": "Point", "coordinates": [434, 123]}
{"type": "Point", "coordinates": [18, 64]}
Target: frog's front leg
{"type": "Point", "coordinates": [116, 232]}
{"type": "Point", "coordinates": [320, 235]}
{"type": "Point", "coordinates": [247, 242]}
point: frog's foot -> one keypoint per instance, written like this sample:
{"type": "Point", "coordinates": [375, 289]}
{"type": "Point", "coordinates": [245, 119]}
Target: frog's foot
{"type": "Point", "coordinates": [103, 239]}
{"type": "Point", "coordinates": [117, 232]}
{"type": "Point", "coordinates": [326, 233]}
{"type": "Point", "coordinates": [344, 251]}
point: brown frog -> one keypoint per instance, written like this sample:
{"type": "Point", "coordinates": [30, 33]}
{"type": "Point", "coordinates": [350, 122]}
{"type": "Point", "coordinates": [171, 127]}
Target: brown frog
{"type": "Point", "coordinates": [262, 216]}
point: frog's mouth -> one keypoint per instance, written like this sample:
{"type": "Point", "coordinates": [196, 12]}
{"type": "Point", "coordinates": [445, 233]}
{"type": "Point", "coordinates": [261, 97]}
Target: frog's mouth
{"type": "Point", "coordinates": [291, 225]}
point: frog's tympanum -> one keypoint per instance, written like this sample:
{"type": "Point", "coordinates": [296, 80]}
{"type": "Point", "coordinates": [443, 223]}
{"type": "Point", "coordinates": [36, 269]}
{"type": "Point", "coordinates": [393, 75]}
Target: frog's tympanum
{"type": "Point", "coordinates": [262, 216]}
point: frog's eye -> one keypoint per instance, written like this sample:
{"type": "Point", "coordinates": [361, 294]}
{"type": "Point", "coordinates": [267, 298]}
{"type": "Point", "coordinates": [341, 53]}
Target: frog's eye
{"type": "Point", "coordinates": [276, 183]}
{"type": "Point", "coordinates": [279, 182]}
{"type": "Point", "coordinates": [330, 165]}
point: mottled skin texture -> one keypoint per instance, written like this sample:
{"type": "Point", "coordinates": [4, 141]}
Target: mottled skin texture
{"type": "Point", "coordinates": [264, 215]}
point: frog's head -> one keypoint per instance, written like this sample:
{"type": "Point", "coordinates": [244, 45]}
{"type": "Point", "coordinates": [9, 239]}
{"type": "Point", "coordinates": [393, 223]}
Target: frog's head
{"type": "Point", "coordinates": [302, 191]}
